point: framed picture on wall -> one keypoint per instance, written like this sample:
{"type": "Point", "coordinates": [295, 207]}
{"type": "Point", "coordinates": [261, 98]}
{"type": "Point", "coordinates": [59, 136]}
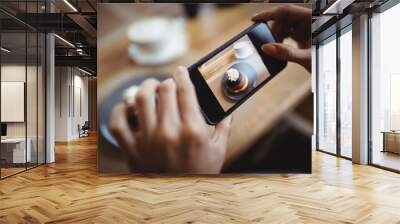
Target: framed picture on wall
{"type": "Point", "coordinates": [12, 101]}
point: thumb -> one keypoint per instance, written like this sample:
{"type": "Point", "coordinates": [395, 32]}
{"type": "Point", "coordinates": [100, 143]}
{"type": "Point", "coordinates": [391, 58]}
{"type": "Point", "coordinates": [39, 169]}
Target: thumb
{"type": "Point", "coordinates": [221, 132]}
{"type": "Point", "coordinates": [288, 53]}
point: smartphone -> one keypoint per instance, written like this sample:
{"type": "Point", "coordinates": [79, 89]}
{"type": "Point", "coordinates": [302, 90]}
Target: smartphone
{"type": "Point", "coordinates": [229, 75]}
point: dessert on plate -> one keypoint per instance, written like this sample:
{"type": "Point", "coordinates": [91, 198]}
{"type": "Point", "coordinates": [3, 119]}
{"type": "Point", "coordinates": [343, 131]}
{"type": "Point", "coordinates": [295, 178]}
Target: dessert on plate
{"type": "Point", "coordinates": [236, 82]}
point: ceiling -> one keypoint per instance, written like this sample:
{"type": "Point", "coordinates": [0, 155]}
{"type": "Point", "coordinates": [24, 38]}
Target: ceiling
{"type": "Point", "coordinates": [73, 20]}
{"type": "Point", "coordinates": [76, 22]}
{"type": "Point", "coordinates": [332, 15]}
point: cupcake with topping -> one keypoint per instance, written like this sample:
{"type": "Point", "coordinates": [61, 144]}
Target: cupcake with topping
{"type": "Point", "coordinates": [236, 82]}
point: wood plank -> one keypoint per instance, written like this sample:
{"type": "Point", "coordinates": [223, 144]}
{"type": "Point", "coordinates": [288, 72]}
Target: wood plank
{"type": "Point", "coordinates": [71, 191]}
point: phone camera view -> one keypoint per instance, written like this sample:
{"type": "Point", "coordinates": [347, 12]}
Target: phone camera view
{"type": "Point", "coordinates": [234, 72]}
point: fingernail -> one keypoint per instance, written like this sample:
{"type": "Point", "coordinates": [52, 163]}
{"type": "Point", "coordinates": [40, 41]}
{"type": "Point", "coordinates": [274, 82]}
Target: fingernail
{"type": "Point", "coordinates": [177, 74]}
{"type": "Point", "coordinates": [269, 49]}
{"type": "Point", "coordinates": [182, 70]}
{"type": "Point", "coordinates": [181, 74]}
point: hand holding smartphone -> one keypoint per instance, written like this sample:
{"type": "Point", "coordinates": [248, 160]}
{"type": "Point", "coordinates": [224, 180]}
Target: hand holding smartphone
{"type": "Point", "coordinates": [230, 74]}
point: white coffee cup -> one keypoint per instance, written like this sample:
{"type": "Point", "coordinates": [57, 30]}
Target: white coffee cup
{"type": "Point", "coordinates": [243, 49]}
{"type": "Point", "coordinates": [157, 40]}
{"type": "Point", "coordinates": [149, 34]}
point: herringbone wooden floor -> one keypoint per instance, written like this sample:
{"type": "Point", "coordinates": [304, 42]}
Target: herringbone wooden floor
{"type": "Point", "coordinates": [70, 191]}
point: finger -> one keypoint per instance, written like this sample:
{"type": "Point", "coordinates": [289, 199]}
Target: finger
{"type": "Point", "coordinates": [288, 53]}
{"type": "Point", "coordinates": [276, 13]}
{"type": "Point", "coordinates": [145, 106]}
{"type": "Point", "coordinates": [221, 132]}
{"type": "Point", "coordinates": [268, 14]}
{"type": "Point", "coordinates": [169, 122]}
{"type": "Point", "coordinates": [187, 99]}
{"type": "Point", "coordinates": [122, 132]}
{"type": "Point", "coordinates": [278, 31]}
{"type": "Point", "coordinates": [167, 105]}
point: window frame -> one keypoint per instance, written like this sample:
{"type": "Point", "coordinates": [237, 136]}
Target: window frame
{"type": "Point", "coordinates": [378, 10]}
{"type": "Point", "coordinates": [333, 37]}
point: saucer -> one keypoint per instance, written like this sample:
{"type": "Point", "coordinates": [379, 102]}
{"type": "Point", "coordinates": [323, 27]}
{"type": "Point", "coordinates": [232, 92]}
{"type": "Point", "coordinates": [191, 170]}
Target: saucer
{"type": "Point", "coordinates": [241, 57]}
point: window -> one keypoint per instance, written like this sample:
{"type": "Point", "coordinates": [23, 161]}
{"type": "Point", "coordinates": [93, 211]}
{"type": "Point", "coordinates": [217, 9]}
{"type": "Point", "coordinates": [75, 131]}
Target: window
{"type": "Point", "coordinates": [334, 106]}
{"type": "Point", "coordinates": [385, 89]}
{"type": "Point", "coordinates": [326, 91]}
{"type": "Point", "coordinates": [22, 77]}
{"type": "Point", "coordinates": [346, 92]}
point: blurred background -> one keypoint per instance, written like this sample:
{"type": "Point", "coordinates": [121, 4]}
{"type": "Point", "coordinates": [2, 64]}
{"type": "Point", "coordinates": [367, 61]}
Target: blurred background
{"type": "Point", "coordinates": [271, 131]}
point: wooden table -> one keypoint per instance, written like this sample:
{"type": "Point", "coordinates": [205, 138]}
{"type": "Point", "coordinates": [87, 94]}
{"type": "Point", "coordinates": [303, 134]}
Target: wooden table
{"type": "Point", "coordinates": [212, 27]}
{"type": "Point", "coordinates": [391, 141]}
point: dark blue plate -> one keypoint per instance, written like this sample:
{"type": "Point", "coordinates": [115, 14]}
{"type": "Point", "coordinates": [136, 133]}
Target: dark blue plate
{"type": "Point", "coordinates": [244, 69]}
{"type": "Point", "coordinates": [114, 98]}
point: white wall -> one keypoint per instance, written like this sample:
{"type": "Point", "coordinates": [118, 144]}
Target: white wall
{"type": "Point", "coordinates": [71, 92]}
{"type": "Point", "coordinates": [81, 100]}
{"type": "Point", "coordinates": [62, 81]}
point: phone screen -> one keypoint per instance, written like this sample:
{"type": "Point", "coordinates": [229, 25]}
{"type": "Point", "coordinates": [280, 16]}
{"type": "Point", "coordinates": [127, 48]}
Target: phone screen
{"type": "Point", "coordinates": [234, 72]}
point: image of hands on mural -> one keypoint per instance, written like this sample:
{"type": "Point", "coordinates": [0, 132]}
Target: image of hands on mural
{"type": "Point", "coordinates": [204, 88]}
